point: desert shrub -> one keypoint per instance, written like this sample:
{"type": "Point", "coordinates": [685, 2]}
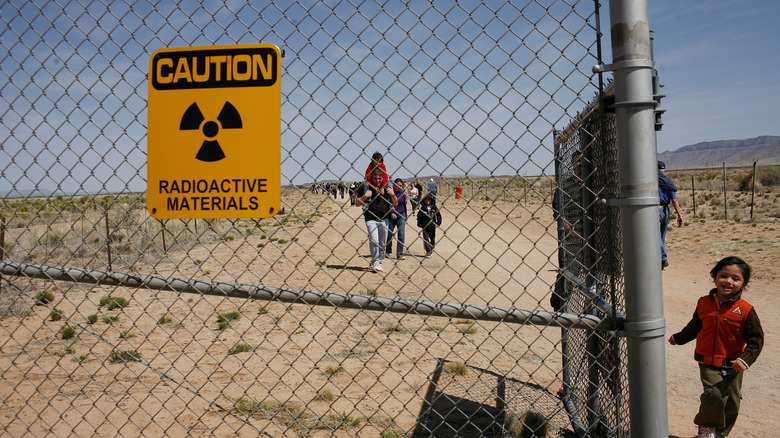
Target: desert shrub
{"type": "Point", "coordinates": [326, 395]}
{"type": "Point", "coordinates": [118, 356]}
{"type": "Point", "coordinates": [64, 351]}
{"type": "Point", "coordinates": [745, 182]}
{"type": "Point", "coordinates": [43, 298]}
{"type": "Point", "coordinates": [706, 176]}
{"type": "Point", "coordinates": [532, 424]}
{"type": "Point", "coordinates": [165, 319]}
{"type": "Point", "coordinates": [769, 176]}
{"type": "Point", "coordinates": [223, 319]}
{"type": "Point", "coordinates": [53, 239]}
{"type": "Point", "coordinates": [343, 417]}
{"type": "Point", "coordinates": [457, 368]}
{"type": "Point", "coordinates": [68, 332]}
{"type": "Point", "coordinates": [91, 319]}
{"type": "Point", "coordinates": [55, 315]}
{"type": "Point", "coordinates": [112, 303]}
{"type": "Point", "coordinates": [332, 369]}
{"type": "Point", "coordinates": [240, 348]}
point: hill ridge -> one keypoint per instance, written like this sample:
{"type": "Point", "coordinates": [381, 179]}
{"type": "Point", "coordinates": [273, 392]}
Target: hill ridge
{"type": "Point", "coordinates": [763, 149]}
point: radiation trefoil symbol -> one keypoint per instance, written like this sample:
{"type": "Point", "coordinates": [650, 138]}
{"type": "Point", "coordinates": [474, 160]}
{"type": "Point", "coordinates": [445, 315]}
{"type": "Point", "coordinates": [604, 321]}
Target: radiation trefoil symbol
{"type": "Point", "coordinates": [228, 118]}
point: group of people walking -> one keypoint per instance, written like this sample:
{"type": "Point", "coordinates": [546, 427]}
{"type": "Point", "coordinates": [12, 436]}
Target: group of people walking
{"type": "Point", "coordinates": [386, 212]}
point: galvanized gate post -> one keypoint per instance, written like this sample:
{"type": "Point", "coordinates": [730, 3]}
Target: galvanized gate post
{"type": "Point", "coordinates": [645, 326]}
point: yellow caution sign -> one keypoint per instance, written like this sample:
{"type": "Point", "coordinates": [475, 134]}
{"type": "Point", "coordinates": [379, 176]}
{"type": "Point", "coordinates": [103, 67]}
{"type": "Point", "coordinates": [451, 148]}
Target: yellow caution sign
{"type": "Point", "coordinates": [213, 144]}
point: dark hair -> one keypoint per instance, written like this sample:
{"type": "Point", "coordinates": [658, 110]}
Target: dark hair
{"type": "Point", "coordinates": [377, 157]}
{"type": "Point", "coordinates": [398, 180]}
{"type": "Point", "coordinates": [736, 261]}
{"type": "Point", "coordinates": [378, 171]}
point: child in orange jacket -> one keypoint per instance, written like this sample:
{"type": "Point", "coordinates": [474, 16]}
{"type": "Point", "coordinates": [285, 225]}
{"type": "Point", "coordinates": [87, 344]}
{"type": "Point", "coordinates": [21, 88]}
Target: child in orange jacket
{"type": "Point", "coordinates": [729, 339]}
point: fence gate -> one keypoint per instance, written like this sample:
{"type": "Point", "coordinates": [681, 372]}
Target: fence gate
{"type": "Point", "coordinates": [116, 323]}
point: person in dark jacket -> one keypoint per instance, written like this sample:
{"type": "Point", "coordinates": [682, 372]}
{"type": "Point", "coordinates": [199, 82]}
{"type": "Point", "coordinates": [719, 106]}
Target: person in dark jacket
{"type": "Point", "coordinates": [397, 220]}
{"type": "Point", "coordinates": [428, 218]}
{"type": "Point", "coordinates": [729, 339]}
{"type": "Point", "coordinates": [667, 192]}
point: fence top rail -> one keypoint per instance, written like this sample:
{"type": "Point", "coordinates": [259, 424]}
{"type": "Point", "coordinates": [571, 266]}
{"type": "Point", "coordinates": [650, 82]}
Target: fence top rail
{"type": "Point", "coordinates": [594, 106]}
{"type": "Point", "coordinates": [318, 298]}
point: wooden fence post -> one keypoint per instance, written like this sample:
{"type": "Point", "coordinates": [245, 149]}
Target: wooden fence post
{"type": "Point", "coordinates": [693, 195]}
{"type": "Point", "coordinates": [725, 197]}
{"type": "Point", "coordinates": [162, 225]}
{"type": "Point", "coordinates": [108, 242]}
{"type": "Point", "coordinates": [753, 191]}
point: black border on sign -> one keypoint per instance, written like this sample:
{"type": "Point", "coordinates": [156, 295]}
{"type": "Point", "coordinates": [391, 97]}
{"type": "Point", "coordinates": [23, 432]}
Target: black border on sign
{"type": "Point", "coordinates": [201, 54]}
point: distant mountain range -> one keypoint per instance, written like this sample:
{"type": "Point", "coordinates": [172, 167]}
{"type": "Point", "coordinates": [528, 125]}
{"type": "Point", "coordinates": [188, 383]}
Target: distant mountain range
{"type": "Point", "coordinates": [764, 150]}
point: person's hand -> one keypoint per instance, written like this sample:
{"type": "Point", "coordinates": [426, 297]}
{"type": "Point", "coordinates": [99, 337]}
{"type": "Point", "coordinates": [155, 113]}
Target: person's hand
{"type": "Point", "coordinates": [393, 216]}
{"type": "Point", "coordinates": [739, 366]}
{"type": "Point", "coordinates": [368, 194]}
{"type": "Point", "coordinates": [679, 220]}
{"type": "Point", "coordinates": [390, 191]}
{"type": "Point", "coordinates": [672, 341]}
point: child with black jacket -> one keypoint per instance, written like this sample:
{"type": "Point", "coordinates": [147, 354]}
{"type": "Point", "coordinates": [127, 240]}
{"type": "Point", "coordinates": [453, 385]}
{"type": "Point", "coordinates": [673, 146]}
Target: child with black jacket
{"type": "Point", "coordinates": [428, 218]}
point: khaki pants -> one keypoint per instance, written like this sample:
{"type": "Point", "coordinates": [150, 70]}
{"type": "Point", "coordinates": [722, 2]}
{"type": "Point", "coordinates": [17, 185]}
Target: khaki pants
{"type": "Point", "coordinates": [720, 400]}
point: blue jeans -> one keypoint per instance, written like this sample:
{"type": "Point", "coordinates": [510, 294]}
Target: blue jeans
{"type": "Point", "coordinates": [377, 239]}
{"type": "Point", "coordinates": [664, 216]}
{"type": "Point", "coordinates": [400, 223]}
{"type": "Point", "coordinates": [429, 239]}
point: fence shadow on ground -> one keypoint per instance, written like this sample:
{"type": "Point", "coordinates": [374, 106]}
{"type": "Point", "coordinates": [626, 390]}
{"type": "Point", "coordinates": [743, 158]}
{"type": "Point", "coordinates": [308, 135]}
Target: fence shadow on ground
{"type": "Point", "coordinates": [477, 402]}
{"type": "Point", "coordinates": [349, 268]}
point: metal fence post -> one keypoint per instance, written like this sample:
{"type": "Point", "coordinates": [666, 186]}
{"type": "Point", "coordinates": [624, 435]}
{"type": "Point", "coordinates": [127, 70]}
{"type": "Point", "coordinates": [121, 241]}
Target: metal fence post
{"type": "Point", "coordinates": [645, 325]}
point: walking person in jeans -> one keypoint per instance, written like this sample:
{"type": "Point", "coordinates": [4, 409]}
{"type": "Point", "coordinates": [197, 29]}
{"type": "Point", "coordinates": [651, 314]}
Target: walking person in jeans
{"type": "Point", "coordinates": [667, 192]}
{"type": "Point", "coordinates": [378, 201]}
{"type": "Point", "coordinates": [397, 220]}
{"type": "Point", "coordinates": [414, 196]}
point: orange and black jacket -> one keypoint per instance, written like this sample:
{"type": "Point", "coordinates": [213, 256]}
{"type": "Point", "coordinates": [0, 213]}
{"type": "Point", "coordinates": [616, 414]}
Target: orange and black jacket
{"type": "Point", "coordinates": [724, 331]}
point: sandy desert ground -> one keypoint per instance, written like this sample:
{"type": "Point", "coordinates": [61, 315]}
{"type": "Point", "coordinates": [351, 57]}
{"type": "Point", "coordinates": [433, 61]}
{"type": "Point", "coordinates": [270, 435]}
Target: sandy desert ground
{"type": "Point", "coordinates": [292, 345]}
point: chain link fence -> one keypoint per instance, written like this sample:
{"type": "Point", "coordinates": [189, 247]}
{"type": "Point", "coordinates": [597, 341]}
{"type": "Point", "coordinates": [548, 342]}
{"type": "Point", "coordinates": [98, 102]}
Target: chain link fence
{"type": "Point", "coordinates": [590, 281]}
{"type": "Point", "coordinates": [116, 323]}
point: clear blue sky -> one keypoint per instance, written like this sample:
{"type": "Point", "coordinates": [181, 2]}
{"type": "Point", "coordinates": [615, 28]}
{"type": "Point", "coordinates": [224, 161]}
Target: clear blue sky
{"type": "Point", "coordinates": [472, 88]}
{"type": "Point", "coordinates": [719, 62]}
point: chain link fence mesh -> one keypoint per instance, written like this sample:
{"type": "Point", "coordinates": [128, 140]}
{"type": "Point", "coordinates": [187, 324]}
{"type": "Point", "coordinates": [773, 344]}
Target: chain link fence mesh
{"type": "Point", "coordinates": [116, 323]}
{"type": "Point", "coordinates": [590, 257]}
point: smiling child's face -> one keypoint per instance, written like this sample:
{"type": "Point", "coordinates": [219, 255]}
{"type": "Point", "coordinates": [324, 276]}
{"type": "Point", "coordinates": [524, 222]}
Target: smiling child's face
{"type": "Point", "coordinates": [729, 281]}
